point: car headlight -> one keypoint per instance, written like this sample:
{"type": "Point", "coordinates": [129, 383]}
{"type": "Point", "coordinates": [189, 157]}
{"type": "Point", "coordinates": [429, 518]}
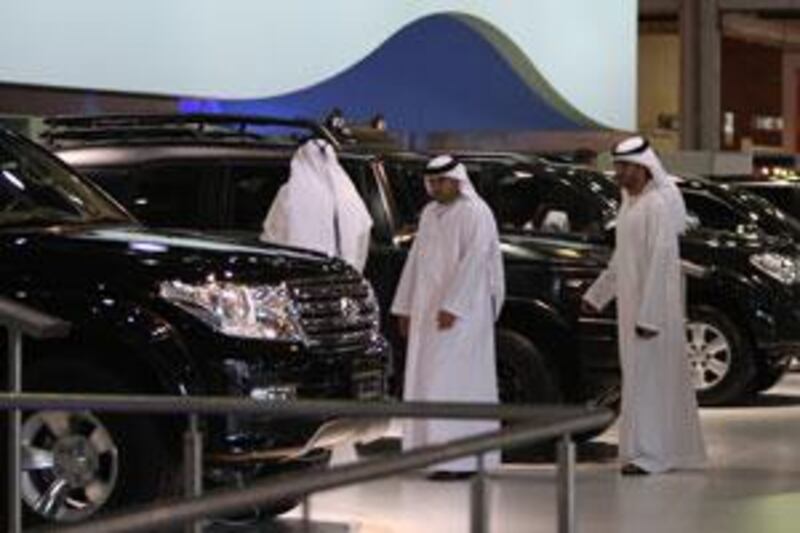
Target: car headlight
{"type": "Point", "coordinates": [778, 266]}
{"type": "Point", "coordinates": [252, 312]}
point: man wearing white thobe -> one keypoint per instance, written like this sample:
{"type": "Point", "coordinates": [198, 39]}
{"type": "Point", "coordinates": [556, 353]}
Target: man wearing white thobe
{"type": "Point", "coordinates": [659, 424]}
{"type": "Point", "coordinates": [319, 208]}
{"type": "Point", "coordinates": [448, 299]}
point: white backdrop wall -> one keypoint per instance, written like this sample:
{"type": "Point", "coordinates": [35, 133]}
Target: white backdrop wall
{"type": "Point", "coordinates": [586, 49]}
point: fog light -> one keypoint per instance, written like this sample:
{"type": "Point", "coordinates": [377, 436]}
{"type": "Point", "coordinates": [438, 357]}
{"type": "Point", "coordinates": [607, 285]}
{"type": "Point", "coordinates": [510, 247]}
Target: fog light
{"type": "Point", "coordinates": [274, 393]}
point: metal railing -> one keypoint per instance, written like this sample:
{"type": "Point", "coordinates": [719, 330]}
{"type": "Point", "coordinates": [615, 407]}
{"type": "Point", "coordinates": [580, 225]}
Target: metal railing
{"type": "Point", "coordinates": [535, 424]}
{"type": "Point", "coordinates": [20, 320]}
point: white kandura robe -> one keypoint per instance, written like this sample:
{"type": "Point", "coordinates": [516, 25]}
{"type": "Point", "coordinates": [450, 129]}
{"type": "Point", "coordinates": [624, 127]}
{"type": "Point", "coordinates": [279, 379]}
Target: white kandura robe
{"type": "Point", "coordinates": [454, 265]}
{"type": "Point", "coordinates": [659, 423]}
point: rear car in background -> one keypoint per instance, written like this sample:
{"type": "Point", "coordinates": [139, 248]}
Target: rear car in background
{"type": "Point", "coordinates": [743, 296]}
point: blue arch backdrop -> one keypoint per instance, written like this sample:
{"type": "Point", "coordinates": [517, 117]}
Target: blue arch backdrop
{"type": "Point", "coordinates": [447, 72]}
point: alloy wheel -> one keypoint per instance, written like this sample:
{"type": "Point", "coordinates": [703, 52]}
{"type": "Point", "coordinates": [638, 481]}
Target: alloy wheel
{"type": "Point", "coordinates": [70, 464]}
{"type": "Point", "coordinates": [710, 355]}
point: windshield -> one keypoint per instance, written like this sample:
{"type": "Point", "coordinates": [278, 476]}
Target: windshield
{"type": "Point", "coordinates": [770, 218]}
{"type": "Point", "coordinates": [524, 199]}
{"type": "Point", "coordinates": [408, 192]}
{"type": "Point", "coordinates": [548, 199]}
{"type": "Point", "coordinates": [36, 189]}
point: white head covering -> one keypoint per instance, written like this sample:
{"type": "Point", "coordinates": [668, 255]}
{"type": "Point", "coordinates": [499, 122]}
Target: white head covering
{"type": "Point", "coordinates": [637, 150]}
{"type": "Point", "coordinates": [446, 166]}
{"type": "Point", "coordinates": [319, 207]}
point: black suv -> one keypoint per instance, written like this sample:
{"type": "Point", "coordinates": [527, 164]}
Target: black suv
{"type": "Point", "coordinates": [169, 312]}
{"type": "Point", "coordinates": [744, 324]}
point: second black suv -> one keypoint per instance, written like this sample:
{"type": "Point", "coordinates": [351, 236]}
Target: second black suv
{"type": "Point", "coordinates": [182, 172]}
{"type": "Point", "coordinates": [744, 320]}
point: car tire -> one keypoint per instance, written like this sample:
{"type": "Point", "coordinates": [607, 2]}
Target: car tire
{"type": "Point", "coordinates": [721, 360]}
{"type": "Point", "coordinates": [131, 445]}
{"type": "Point", "coordinates": [769, 376]}
{"type": "Point", "coordinates": [523, 376]}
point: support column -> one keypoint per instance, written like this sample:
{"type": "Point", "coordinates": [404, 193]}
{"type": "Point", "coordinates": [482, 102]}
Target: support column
{"type": "Point", "coordinates": [701, 44]}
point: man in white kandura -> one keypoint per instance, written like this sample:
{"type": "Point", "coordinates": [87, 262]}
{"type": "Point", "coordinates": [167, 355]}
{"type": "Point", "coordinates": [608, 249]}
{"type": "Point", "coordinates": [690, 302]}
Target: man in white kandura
{"type": "Point", "coordinates": [319, 208]}
{"type": "Point", "coordinates": [659, 424]}
{"type": "Point", "coordinates": [448, 299]}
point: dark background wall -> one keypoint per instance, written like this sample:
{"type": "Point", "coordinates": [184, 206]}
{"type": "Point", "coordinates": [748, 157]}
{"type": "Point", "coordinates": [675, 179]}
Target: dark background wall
{"type": "Point", "coordinates": [752, 85]}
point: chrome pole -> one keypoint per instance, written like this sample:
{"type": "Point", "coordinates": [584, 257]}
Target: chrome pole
{"type": "Point", "coordinates": [566, 485]}
{"type": "Point", "coordinates": [307, 513]}
{"type": "Point", "coordinates": [14, 423]}
{"type": "Point", "coordinates": [478, 508]}
{"type": "Point", "coordinates": [193, 467]}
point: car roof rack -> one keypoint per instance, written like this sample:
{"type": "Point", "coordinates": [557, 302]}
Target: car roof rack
{"type": "Point", "coordinates": [197, 126]}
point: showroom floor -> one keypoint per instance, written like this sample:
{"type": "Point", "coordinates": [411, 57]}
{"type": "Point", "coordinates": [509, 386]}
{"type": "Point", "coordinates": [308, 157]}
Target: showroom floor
{"type": "Point", "coordinates": [752, 485]}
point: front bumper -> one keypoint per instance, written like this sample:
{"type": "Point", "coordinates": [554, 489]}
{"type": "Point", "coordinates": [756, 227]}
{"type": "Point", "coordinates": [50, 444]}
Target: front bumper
{"type": "Point", "coordinates": [330, 434]}
{"type": "Point", "coordinates": [357, 374]}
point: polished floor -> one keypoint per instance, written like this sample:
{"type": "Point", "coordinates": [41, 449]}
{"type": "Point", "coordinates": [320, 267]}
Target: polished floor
{"type": "Point", "coordinates": [751, 486]}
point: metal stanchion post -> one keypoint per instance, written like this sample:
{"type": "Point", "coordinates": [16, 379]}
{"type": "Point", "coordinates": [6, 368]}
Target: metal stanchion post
{"type": "Point", "coordinates": [14, 423]}
{"type": "Point", "coordinates": [193, 467]}
{"type": "Point", "coordinates": [307, 513]}
{"type": "Point", "coordinates": [566, 485]}
{"type": "Point", "coordinates": [479, 512]}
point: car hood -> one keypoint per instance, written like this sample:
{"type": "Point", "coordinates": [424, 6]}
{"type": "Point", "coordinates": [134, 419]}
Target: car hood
{"type": "Point", "coordinates": [134, 254]}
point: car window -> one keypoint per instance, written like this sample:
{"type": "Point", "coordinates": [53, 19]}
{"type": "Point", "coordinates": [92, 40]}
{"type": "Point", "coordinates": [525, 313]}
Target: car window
{"type": "Point", "coordinates": [770, 217]}
{"type": "Point", "coordinates": [408, 191]}
{"type": "Point", "coordinates": [713, 213]}
{"type": "Point", "coordinates": [168, 195]}
{"type": "Point", "coordinates": [784, 198]}
{"type": "Point", "coordinates": [371, 182]}
{"type": "Point", "coordinates": [253, 189]}
{"type": "Point", "coordinates": [37, 188]}
{"type": "Point", "coordinates": [524, 202]}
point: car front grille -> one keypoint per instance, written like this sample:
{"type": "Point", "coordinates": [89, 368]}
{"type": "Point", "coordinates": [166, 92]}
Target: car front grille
{"type": "Point", "coordinates": [336, 312]}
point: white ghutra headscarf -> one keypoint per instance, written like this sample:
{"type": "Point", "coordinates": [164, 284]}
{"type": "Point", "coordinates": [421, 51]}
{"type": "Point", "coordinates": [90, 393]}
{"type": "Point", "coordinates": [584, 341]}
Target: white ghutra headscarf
{"type": "Point", "coordinates": [446, 166]}
{"type": "Point", "coordinates": [319, 208]}
{"type": "Point", "coordinates": [637, 150]}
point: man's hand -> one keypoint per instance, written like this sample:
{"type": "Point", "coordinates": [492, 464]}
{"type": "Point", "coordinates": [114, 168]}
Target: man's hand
{"type": "Point", "coordinates": [589, 309]}
{"type": "Point", "coordinates": [645, 333]}
{"type": "Point", "coordinates": [445, 320]}
{"type": "Point", "coordinates": [403, 324]}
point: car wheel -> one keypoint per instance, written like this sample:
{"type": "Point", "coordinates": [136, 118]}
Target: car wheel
{"type": "Point", "coordinates": [523, 378]}
{"type": "Point", "coordinates": [522, 372]}
{"type": "Point", "coordinates": [78, 464]}
{"type": "Point", "coordinates": [720, 361]}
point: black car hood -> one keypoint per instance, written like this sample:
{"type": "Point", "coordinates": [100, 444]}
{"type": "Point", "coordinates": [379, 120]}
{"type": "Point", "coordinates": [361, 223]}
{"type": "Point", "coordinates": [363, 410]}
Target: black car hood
{"type": "Point", "coordinates": [132, 253]}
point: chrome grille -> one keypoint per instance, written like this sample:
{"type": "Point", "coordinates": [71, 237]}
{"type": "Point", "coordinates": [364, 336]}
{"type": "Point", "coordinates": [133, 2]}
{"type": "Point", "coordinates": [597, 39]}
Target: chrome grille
{"type": "Point", "coordinates": [336, 311]}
